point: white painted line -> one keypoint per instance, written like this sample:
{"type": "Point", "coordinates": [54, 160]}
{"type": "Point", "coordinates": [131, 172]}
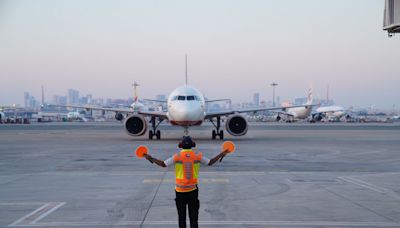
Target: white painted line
{"type": "Point", "coordinates": [237, 223]}
{"type": "Point", "coordinates": [74, 173]}
{"type": "Point", "coordinates": [151, 173]}
{"type": "Point", "coordinates": [38, 214]}
{"type": "Point", "coordinates": [48, 212]}
{"type": "Point", "coordinates": [21, 203]}
{"type": "Point", "coordinates": [233, 173]}
{"type": "Point", "coordinates": [201, 180]}
{"type": "Point", "coordinates": [364, 184]}
{"type": "Point", "coordinates": [372, 187]}
{"type": "Point", "coordinates": [28, 215]}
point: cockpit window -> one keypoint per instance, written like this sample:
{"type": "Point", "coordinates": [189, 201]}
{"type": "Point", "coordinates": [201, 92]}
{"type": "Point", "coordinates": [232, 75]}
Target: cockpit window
{"type": "Point", "coordinates": [181, 98]}
{"type": "Point", "coordinates": [190, 98]}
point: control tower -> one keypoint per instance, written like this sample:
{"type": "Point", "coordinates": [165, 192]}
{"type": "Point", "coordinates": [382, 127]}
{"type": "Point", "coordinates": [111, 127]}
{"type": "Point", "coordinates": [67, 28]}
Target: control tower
{"type": "Point", "coordinates": [391, 18]}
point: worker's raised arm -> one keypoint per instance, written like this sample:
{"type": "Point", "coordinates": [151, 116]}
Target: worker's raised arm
{"type": "Point", "coordinates": [219, 156]}
{"type": "Point", "coordinates": [155, 160]}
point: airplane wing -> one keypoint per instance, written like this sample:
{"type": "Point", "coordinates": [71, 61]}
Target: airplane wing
{"type": "Point", "coordinates": [153, 100]}
{"type": "Point", "coordinates": [225, 113]}
{"type": "Point", "coordinates": [95, 108]}
{"type": "Point", "coordinates": [283, 113]}
{"type": "Point", "coordinates": [209, 101]}
{"type": "Point", "coordinates": [162, 115]}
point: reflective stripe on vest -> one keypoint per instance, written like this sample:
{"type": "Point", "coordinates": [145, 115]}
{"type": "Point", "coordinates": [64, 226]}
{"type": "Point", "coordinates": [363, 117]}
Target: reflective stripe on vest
{"type": "Point", "coordinates": [187, 166]}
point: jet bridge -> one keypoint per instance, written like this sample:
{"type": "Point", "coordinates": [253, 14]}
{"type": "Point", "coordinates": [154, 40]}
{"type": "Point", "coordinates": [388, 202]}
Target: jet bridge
{"type": "Point", "coordinates": [391, 18]}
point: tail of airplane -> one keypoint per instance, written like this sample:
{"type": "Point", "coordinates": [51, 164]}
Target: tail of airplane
{"type": "Point", "coordinates": [186, 71]}
{"type": "Point", "coordinates": [310, 96]}
{"type": "Point", "coordinates": [135, 96]}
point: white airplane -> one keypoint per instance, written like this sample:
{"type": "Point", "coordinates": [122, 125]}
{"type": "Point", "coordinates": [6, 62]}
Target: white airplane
{"type": "Point", "coordinates": [302, 112]}
{"type": "Point", "coordinates": [135, 106]}
{"type": "Point", "coordinates": [186, 107]}
{"type": "Point", "coordinates": [76, 116]}
{"type": "Point", "coordinates": [330, 112]}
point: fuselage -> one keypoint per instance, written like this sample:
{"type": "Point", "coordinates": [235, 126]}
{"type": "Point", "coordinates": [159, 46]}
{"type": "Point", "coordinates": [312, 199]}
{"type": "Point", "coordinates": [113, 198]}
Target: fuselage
{"type": "Point", "coordinates": [335, 111]}
{"type": "Point", "coordinates": [300, 112]}
{"type": "Point", "coordinates": [186, 106]}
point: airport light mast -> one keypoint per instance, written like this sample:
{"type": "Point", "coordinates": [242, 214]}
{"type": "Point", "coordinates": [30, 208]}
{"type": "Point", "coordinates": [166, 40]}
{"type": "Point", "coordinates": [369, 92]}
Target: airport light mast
{"type": "Point", "coordinates": [274, 84]}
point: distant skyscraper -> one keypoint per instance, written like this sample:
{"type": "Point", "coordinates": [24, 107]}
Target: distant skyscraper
{"type": "Point", "coordinates": [60, 100]}
{"type": "Point", "coordinates": [90, 98]}
{"type": "Point", "coordinates": [26, 99]}
{"type": "Point", "coordinates": [256, 99]}
{"type": "Point", "coordinates": [30, 101]}
{"type": "Point", "coordinates": [73, 96]}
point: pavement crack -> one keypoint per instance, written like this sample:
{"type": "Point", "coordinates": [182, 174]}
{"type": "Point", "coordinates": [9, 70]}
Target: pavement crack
{"type": "Point", "coordinates": [152, 200]}
{"type": "Point", "coordinates": [360, 205]}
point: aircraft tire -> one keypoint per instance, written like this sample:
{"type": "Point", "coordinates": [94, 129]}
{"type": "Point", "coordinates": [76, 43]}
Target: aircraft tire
{"type": "Point", "coordinates": [158, 134]}
{"type": "Point", "coordinates": [151, 134]}
{"type": "Point", "coordinates": [221, 134]}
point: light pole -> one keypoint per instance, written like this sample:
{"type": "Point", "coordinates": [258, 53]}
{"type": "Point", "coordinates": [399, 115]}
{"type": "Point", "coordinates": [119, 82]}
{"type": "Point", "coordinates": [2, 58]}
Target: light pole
{"type": "Point", "coordinates": [274, 84]}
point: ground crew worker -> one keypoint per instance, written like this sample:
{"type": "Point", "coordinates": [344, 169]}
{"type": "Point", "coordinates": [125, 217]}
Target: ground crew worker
{"type": "Point", "coordinates": [187, 165]}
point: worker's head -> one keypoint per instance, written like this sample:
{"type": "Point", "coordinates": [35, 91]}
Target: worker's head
{"type": "Point", "coordinates": [187, 143]}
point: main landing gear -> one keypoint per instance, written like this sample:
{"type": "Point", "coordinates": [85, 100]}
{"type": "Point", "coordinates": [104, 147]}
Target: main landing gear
{"type": "Point", "coordinates": [154, 126]}
{"type": "Point", "coordinates": [217, 131]}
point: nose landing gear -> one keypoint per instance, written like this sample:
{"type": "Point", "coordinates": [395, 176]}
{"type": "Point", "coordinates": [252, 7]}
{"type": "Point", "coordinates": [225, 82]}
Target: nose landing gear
{"type": "Point", "coordinates": [154, 126]}
{"type": "Point", "coordinates": [217, 131]}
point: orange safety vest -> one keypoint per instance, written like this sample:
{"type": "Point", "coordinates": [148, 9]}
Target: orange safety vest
{"type": "Point", "coordinates": [187, 166]}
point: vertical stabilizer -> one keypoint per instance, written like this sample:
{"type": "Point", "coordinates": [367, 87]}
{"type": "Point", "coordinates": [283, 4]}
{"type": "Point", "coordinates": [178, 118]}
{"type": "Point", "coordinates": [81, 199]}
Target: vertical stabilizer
{"type": "Point", "coordinates": [135, 96]}
{"type": "Point", "coordinates": [186, 71]}
{"type": "Point", "coordinates": [310, 96]}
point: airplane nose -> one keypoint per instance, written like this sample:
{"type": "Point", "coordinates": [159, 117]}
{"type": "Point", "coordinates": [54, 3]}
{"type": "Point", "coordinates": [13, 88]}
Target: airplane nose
{"type": "Point", "coordinates": [192, 113]}
{"type": "Point", "coordinates": [188, 112]}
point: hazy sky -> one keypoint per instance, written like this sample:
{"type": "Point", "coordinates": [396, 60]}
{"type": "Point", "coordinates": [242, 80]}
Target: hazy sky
{"type": "Point", "coordinates": [235, 48]}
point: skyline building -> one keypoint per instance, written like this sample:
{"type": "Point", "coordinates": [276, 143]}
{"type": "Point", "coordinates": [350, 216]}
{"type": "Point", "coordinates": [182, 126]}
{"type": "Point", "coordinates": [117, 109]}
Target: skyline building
{"type": "Point", "coordinates": [73, 96]}
{"type": "Point", "coordinates": [256, 99]}
{"type": "Point", "coordinates": [30, 101]}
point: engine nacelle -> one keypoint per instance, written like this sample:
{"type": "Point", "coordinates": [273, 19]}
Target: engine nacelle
{"type": "Point", "coordinates": [236, 125]}
{"type": "Point", "coordinates": [119, 116]}
{"type": "Point", "coordinates": [135, 125]}
{"type": "Point", "coordinates": [317, 117]}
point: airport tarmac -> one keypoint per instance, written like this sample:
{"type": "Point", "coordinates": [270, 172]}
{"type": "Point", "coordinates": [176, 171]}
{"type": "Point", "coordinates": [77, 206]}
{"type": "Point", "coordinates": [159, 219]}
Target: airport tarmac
{"type": "Point", "coordinates": [281, 175]}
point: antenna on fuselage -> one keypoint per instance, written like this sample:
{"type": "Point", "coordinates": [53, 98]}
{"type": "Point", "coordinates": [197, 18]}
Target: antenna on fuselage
{"type": "Point", "coordinates": [186, 71]}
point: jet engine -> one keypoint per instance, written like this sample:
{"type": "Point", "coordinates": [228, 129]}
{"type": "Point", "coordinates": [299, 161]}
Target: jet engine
{"type": "Point", "coordinates": [135, 125]}
{"type": "Point", "coordinates": [119, 116]}
{"type": "Point", "coordinates": [236, 125]}
{"type": "Point", "coordinates": [317, 117]}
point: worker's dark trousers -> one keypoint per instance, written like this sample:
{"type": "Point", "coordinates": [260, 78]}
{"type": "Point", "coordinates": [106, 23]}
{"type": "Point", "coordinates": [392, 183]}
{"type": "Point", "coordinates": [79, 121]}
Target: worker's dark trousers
{"type": "Point", "coordinates": [192, 200]}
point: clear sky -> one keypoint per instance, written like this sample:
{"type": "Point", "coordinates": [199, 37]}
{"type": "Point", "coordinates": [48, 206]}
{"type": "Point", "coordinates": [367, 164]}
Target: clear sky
{"type": "Point", "coordinates": [235, 48]}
